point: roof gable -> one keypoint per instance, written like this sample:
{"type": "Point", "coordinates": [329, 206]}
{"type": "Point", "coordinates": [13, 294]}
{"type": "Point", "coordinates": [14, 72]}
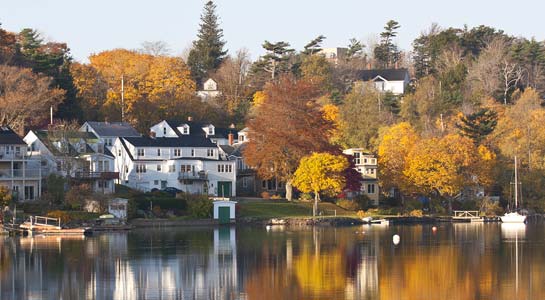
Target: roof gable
{"type": "Point", "coordinates": [386, 74]}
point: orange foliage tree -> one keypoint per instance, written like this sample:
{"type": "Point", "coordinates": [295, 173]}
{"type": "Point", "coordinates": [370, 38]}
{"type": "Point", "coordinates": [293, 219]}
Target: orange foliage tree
{"type": "Point", "coordinates": [287, 126]}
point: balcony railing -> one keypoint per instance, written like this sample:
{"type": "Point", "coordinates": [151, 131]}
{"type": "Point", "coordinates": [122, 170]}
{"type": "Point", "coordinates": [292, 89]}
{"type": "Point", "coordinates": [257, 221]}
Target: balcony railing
{"type": "Point", "coordinates": [201, 175]}
{"type": "Point", "coordinates": [19, 173]}
{"type": "Point", "coordinates": [86, 175]}
{"type": "Point", "coordinates": [11, 155]}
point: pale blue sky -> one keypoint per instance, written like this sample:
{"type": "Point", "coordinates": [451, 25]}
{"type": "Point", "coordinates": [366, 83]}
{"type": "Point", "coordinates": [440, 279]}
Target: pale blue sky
{"type": "Point", "coordinates": [97, 25]}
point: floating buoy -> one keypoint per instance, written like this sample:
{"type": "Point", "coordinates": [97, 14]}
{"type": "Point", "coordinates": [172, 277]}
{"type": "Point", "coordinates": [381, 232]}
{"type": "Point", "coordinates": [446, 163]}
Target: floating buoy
{"type": "Point", "coordinates": [396, 239]}
{"type": "Point", "coordinates": [434, 229]}
{"type": "Point", "coordinates": [268, 227]}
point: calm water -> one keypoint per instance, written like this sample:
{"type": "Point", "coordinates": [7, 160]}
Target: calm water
{"type": "Point", "coordinates": [458, 261]}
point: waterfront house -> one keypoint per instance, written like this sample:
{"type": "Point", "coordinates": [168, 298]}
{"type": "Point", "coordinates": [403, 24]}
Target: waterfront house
{"type": "Point", "coordinates": [366, 164]}
{"type": "Point", "coordinates": [248, 182]}
{"type": "Point", "coordinates": [107, 132]}
{"type": "Point", "coordinates": [81, 157]}
{"type": "Point", "coordinates": [387, 80]}
{"type": "Point", "coordinates": [185, 156]}
{"type": "Point", "coordinates": [18, 172]}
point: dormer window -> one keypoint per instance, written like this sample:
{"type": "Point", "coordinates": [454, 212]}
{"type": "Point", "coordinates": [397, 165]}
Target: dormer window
{"type": "Point", "coordinates": [184, 129]}
{"type": "Point", "coordinates": [210, 130]}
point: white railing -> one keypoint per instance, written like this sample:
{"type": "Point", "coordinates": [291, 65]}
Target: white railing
{"type": "Point", "coordinates": [466, 214]}
{"type": "Point", "coordinates": [19, 173]}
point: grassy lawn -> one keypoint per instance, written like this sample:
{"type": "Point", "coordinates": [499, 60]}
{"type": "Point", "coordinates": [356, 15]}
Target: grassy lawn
{"type": "Point", "coordinates": [286, 209]}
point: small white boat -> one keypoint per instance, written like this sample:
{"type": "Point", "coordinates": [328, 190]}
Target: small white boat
{"type": "Point", "coordinates": [514, 217]}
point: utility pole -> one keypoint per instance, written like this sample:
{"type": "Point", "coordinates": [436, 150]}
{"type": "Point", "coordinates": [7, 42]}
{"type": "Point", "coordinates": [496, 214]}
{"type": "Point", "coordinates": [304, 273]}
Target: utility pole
{"type": "Point", "coordinates": [122, 99]}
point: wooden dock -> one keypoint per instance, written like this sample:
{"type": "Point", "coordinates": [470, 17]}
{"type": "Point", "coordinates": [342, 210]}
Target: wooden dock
{"type": "Point", "coordinates": [467, 216]}
{"type": "Point", "coordinates": [51, 226]}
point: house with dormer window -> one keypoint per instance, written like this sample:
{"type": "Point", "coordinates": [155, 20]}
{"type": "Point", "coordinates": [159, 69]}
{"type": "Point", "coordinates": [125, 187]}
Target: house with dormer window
{"type": "Point", "coordinates": [172, 129]}
{"type": "Point", "coordinates": [180, 155]}
{"type": "Point", "coordinates": [387, 80]}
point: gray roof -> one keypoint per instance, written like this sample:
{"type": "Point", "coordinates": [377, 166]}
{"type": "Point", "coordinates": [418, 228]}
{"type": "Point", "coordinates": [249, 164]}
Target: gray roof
{"type": "Point", "coordinates": [117, 129]}
{"type": "Point", "coordinates": [9, 137]}
{"type": "Point", "coordinates": [388, 74]}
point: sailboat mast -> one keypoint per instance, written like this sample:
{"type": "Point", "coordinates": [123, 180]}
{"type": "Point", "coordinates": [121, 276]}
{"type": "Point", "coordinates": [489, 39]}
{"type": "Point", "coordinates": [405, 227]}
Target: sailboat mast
{"type": "Point", "coordinates": [516, 184]}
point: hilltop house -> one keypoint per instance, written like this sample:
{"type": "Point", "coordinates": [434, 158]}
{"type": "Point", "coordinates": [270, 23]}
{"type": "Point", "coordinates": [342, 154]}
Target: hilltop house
{"type": "Point", "coordinates": [387, 80]}
{"type": "Point", "coordinates": [107, 132]}
{"type": "Point", "coordinates": [184, 156]}
{"type": "Point", "coordinates": [18, 172]}
{"type": "Point", "coordinates": [366, 165]}
{"type": "Point", "coordinates": [209, 91]}
{"type": "Point", "coordinates": [79, 156]}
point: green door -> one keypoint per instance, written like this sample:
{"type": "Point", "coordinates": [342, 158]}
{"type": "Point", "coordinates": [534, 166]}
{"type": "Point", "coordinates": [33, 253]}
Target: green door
{"type": "Point", "coordinates": [224, 189]}
{"type": "Point", "coordinates": [224, 214]}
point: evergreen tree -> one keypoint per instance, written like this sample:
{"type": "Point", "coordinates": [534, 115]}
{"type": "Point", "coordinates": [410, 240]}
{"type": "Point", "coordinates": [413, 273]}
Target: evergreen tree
{"type": "Point", "coordinates": [207, 52]}
{"type": "Point", "coordinates": [478, 125]}
{"type": "Point", "coordinates": [355, 48]}
{"type": "Point", "coordinates": [314, 46]}
{"type": "Point", "coordinates": [387, 53]}
{"type": "Point", "coordinates": [275, 61]}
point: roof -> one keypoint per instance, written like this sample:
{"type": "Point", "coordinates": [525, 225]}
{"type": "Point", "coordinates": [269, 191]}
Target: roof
{"type": "Point", "coordinates": [9, 137]}
{"type": "Point", "coordinates": [196, 129]}
{"type": "Point", "coordinates": [388, 74]}
{"type": "Point", "coordinates": [69, 137]}
{"type": "Point", "coordinates": [184, 141]}
{"type": "Point", "coordinates": [119, 129]}
{"type": "Point", "coordinates": [234, 150]}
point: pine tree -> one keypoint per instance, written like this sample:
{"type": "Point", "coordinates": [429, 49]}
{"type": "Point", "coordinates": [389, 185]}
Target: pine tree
{"type": "Point", "coordinates": [387, 53]}
{"type": "Point", "coordinates": [207, 52]}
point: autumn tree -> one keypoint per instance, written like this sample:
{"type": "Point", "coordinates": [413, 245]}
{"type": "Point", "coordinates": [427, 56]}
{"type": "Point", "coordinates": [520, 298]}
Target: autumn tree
{"type": "Point", "coordinates": [395, 145]}
{"type": "Point", "coordinates": [443, 166]}
{"type": "Point", "coordinates": [317, 69]}
{"type": "Point", "coordinates": [5, 196]}
{"type": "Point", "coordinates": [320, 172]}
{"type": "Point", "coordinates": [25, 97]}
{"type": "Point", "coordinates": [207, 52]}
{"type": "Point", "coordinates": [287, 126]}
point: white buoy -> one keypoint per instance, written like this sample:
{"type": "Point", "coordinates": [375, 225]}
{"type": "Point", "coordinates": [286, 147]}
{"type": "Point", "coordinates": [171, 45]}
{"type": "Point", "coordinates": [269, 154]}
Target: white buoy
{"type": "Point", "coordinates": [396, 239]}
{"type": "Point", "coordinates": [434, 229]}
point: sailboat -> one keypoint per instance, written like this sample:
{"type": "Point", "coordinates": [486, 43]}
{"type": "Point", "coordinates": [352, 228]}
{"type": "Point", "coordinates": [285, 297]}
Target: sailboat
{"type": "Point", "coordinates": [514, 216]}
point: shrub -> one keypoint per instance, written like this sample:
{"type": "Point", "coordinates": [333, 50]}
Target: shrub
{"type": "Point", "coordinates": [265, 195]}
{"type": "Point", "coordinates": [77, 194]}
{"type": "Point", "coordinates": [305, 197]}
{"type": "Point", "coordinates": [200, 207]}
{"type": "Point", "coordinates": [361, 214]}
{"type": "Point", "coordinates": [416, 213]}
{"type": "Point", "coordinates": [63, 215]}
{"type": "Point", "coordinates": [276, 197]}
{"type": "Point", "coordinates": [5, 196]}
{"type": "Point", "coordinates": [362, 201]}
{"type": "Point", "coordinates": [347, 204]}
{"type": "Point", "coordinates": [157, 211]}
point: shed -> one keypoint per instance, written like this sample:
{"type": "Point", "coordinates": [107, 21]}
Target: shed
{"type": "Point", "coordinates": [118, 207]}
{"type": "Point", "coordinates": [224, 211]}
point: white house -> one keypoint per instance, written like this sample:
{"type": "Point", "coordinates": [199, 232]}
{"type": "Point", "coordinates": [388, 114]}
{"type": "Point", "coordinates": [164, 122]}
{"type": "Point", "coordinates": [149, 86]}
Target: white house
{"type": "Point", "coordinates": [366, 164]}
{"type": "Point", "coordinates": [387, 80]}
{"type": "Point", "coordinates": [107, 132]}
{"type": "Point", "coordinates": [209, 91]}
{"type": "Point", "coordinates": [18, 173]}
{"type": "Point", "coordinates": [189, 128]}
{"type": "Point", "coordinates": [174, 158]}
{"type": "Point", "coordinates": [79, 156]}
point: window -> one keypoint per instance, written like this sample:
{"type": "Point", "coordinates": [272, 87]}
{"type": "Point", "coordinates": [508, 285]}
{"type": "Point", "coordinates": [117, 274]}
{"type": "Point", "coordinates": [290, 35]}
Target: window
{"type": "Point", "coordinates": [140, 152]}
{"type": "Point", "coordinates": [192, 152]}
{"type": "Point", "coordinates": [177, 152]}
{"type": "Point", "coordinates": [374, 161]}
{"type": "Point", "coordinates": [365, 160]}
{"type": "Point", "coordinates": [185, 130]}
{"type": "Point", "coordinates": [29, 192]}
{"type": "Point", "coordinates": [164, 131]}
{"type": "Point", "coordinates": [357, 158]}
{"type": "Point", "coordinates": [225, 168]}
{"type": "Point", "coordinates": [158, 168]}
{"type": "Point", "coordinates": [244, 182]}
{"type": "Point", "coordinates": [172, 168]}
{"type": "Point", "coordinates": [229, 168]}
{"type": "Point", "coordinates": [241, 138]}
{"type": "Point", "coordinates": [185, 168]}
{"type": "Point", "coordinates": [103, 166]}
{"type": "Point", "coordinates": [119, 152]}
{"type": "Point", "coordinates": [103, 184]}
{"type": "Point", "coordinates": [264, 184]}
{"type": "Point", "coordinates": [158, 152]}
{"type": "Point", "coordinates": [370, 189]}
{"type": "Point", "coordinates": [140, 168]}
{"type": "Point", "coordinates": [209, 152]}
{"type": "Point", "coordinates": [156, 182]}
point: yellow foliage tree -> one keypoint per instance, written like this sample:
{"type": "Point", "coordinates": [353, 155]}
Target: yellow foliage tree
{"type": "Point", "coordinates": [395, 145]}
{"type": "Point", "coordinates": [320, 172]}
{"type": "Point", "coordinates": [151, 84]}
{"type": "Point", "coordinates": [5, 196]}
{"type": "Point", "coordinates": [448, 164]}
{"type": "Point", "coordinates": [259, 98]}
{"type": "Point", "coordinates": [332, 113]}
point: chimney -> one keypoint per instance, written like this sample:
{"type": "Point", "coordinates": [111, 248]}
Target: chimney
{"type": "Point", "coordinates": [231, 138]}
{"type": "Point", "coordinates": [152, 134]}
{"type": "Point", "coordinates": [190, 119]}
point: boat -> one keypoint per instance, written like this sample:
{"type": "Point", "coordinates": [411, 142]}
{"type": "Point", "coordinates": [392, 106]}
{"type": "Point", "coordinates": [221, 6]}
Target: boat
{"type": "Point", "coordinates": [46, 225]}
{"type": "Point", "coordinates": [514, 216]}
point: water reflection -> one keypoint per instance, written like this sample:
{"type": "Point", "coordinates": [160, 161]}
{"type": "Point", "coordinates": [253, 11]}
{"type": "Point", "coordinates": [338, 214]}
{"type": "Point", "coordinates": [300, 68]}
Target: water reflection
{"type": "Point", "coordinates": [456, 261]}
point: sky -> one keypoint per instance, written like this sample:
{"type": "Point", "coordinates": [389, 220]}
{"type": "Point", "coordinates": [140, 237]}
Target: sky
{"type": "Point", "coordinates": [93, 26]}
